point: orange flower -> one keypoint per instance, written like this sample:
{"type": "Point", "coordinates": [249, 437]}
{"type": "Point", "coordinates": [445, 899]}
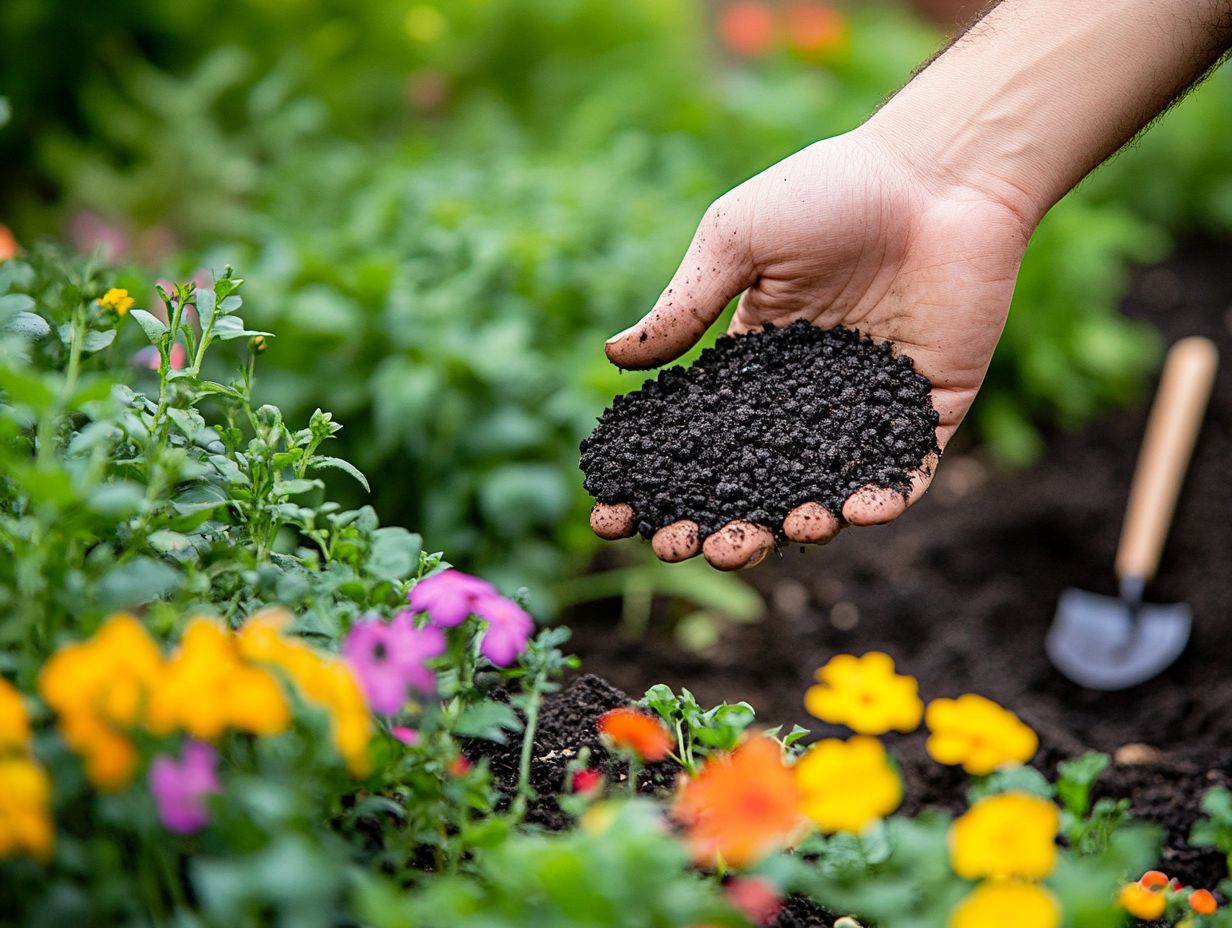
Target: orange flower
{"type": "Point", "coordinates": [8, 244]}
{"type": "Point", "coordinates": [741, 806]}
{"type": "Point", "coordinates": [636, 733]}
{"type": "Point", "coordinates": [1203, 902]}
{"type": "Point", "coordinates": [1152, 879]}
{"type": "Point", "coordinates": [814, 28]}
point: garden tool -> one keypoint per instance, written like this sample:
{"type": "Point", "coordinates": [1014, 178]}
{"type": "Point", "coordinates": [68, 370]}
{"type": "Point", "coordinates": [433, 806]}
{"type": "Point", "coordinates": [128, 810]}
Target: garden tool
{"type": "Point", "coordinates": [1114, 642]}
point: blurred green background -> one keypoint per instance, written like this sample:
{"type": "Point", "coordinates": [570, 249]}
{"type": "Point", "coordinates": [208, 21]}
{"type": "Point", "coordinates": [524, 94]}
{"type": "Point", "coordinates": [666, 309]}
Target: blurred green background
{"type": "Point", "coordinates": [443, 208]}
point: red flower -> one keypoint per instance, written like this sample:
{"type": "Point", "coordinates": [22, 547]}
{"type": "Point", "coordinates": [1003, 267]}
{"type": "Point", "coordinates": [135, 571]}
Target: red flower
{"type": "Point", "coordinates": [636, 733]}
{"type": "Point", "coordinates": [460, 766]}
{"type": "Point", "coordinates": [756, 898]}
{"type": "Point", "coordinates": [748, 28]}
{"type": "Point", "coordinates": [586, 781]}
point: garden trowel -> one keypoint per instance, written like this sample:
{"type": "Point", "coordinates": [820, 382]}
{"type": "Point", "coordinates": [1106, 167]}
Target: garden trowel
{"type": "Point", "coordinates": [1114, 642]}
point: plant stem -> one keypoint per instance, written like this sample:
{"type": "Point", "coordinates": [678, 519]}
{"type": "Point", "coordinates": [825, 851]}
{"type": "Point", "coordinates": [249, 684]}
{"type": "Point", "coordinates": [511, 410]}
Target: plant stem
{"type": "Point", "coordinates": [534, 697]}
{"type": "Point", "coordinates": [635, 768]}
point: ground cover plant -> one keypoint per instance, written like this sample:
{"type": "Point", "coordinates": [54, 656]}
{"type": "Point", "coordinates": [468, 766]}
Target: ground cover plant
{"type": "Point", "coordinates": [226, 700]}
{"type": "Point", "coordinates": [759, 425]}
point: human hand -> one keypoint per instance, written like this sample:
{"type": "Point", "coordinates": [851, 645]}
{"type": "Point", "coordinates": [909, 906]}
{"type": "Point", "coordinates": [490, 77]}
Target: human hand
{"type": "Point", "coordinates": [846, 232]}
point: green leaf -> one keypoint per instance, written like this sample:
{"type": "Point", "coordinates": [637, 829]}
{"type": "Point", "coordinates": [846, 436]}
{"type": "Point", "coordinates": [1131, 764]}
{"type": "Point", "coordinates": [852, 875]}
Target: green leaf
{"type": "Point", "coordinates": [116, 500]}
{"type": "Point", "coordinates": [97, 340]}
{"type": "Point", "coordinates": [394, 554]}
{"type": "Point", "coordinates": [229, 327]}
{"type": "Point", "coordinates": [26, 389]}
{"type": "Point", "coordinates": [322, 461]}
{"type": "Point", "coordinates": [295, 487]}
{"type": "Point", "coordinates": [28, 325]}
{"type": "Point", "coordinates": [135, 583]}
{"type": "Point", "coordinates": [13, 303]}
{"type": "Point", "coordinates": [1018, 779]}
{"type": "Point", "coordinates": [155, 329]}
{"type": "Point", "coordinates": [488, 720]}
{"type": "Point", "coordinates": [205, 307]}
{"type": "Point", "coordinates": [208, 386]}
{"type": "Point", "coordinates": [1075, 779]}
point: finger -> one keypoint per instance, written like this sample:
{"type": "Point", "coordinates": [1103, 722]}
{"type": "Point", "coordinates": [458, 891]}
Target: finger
{"type": "Point", "coordinates": [676, 542]}
{"type": "Point", "coordinates": [874, 506]}
{"type": "Point", "coordinates": [716, 267]}
{"type": "Point", "coordinates": [922, 479]}
{"type": "Point", "coordinates": [811, 524]}
{"type": "Point", "coordinates": [877, 505]}
{"type": "Point", "coordinates": [738, 545]}
{"type": "Point", "coordinates": [612, 520]}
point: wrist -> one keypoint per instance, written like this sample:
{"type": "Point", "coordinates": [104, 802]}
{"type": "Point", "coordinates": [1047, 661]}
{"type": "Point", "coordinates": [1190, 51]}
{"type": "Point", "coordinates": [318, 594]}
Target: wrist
{"type": "Point", "coordinates": [1039, 92]}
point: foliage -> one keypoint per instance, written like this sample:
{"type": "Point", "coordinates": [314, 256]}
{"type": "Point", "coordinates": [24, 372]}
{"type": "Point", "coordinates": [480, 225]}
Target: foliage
{"type": "Point", "coordinates": [448, 207]}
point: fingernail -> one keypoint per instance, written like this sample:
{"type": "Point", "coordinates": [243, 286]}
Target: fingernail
{"type": "Point", "coordinates": [619, 335]}
{"type": "Point", "coordinates": [757, 558]}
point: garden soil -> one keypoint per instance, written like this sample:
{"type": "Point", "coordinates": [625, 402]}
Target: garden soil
{"type": "Point", "coordinates": [962, 589]}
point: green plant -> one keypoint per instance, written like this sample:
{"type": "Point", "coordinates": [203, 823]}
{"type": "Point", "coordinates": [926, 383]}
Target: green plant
{"type": "Point", "coordinates": [459, 276]}
{"type": "Point", "coordinates": [1215, 829]}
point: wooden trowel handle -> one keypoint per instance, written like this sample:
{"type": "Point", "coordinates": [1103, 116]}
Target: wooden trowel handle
{"type": "Point", "coordinates": [1176, 417]}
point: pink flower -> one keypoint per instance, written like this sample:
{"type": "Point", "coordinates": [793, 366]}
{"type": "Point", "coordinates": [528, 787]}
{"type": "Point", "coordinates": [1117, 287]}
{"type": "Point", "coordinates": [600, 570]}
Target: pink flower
{"type": "Point", "coordinates": [449, 597]}
{"type": "Point", "coordinates": [389, 659]}
{"type": "Point", "coordinates": [180, 787]}
{"type": "Point", "coordinates": [509, 627]}
{"type": "Point", "coordinates": [404, 734]}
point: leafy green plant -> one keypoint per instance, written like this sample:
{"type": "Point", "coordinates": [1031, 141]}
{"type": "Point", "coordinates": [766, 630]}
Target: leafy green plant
{"type": "Point", "coordinates": [1215, 830]}
{"type": "Point", "coordinates": [456, 275]}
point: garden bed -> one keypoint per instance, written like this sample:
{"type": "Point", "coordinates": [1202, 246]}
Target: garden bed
{"type": "Point", "coordinates": [961, 592]}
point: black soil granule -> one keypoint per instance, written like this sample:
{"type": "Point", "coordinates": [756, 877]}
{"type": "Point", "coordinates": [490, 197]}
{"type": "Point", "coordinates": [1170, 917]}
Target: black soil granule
{"type": "Point", "coordinates": [760, 424]}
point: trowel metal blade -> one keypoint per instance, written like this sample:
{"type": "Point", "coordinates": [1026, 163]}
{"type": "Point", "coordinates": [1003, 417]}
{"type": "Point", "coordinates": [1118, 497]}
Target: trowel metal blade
{"type": "Point", "coordinates": [1096, 642]}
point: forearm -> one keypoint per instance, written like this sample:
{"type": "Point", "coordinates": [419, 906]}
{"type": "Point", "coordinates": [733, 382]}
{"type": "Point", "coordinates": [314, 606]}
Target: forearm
{"type": "Point", "coordinates": [1039, 92]}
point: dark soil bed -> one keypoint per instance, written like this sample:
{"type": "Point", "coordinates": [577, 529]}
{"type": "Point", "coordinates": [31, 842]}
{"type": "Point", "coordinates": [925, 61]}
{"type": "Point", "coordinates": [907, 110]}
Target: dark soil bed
{"type": "Point", "coordinates": [760, 424]}
{"type": "Point", "coordinates": [962, 589]}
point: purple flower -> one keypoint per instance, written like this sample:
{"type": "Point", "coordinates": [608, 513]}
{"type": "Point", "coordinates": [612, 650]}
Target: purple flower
{"type": "Point", "coordinates": [449, 597]}
{"type": "Point", "coordinates": [180, 787]}
{"type": "Point", "coordinates": [389, 659]}
{"type": "Point", "coordinates": [509, 626]}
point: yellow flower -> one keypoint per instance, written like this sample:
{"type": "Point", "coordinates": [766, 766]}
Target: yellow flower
{"type": "Point", "coordinates": [117, 301]}
{"type": "Point", "coordinates": [208, 687]}
{"type": "Point", "coordinates": [99, 688]}
{"type": "Point", "coordinates": [977, 733]}
{"type": "Point", "coordinates": [326, 681]}
{"type": "Point", "coordinates": [1007, 905]}
{"type": "Point", "coordinates": [1009, 835]}
{"type": "Point", "coordinates": [1141, 902]}
{"type": "Point", "coordinates": [865, 694]}
{"type": "Point", "coordinates": [25, 802]}
{"type": "Point", "coordinates": [847, 785]}
{"type": "Point", "coordinates": [14, 723]}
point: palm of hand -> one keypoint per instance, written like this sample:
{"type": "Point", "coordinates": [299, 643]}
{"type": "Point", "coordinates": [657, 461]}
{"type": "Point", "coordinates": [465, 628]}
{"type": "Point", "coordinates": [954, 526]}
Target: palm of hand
{"type": "Point", "coordinates": [837, 234]}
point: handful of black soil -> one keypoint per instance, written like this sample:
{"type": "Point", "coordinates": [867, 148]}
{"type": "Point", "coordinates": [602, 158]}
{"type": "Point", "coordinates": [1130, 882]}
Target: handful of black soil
{"type": "Point", "coordinates": [760, 424]}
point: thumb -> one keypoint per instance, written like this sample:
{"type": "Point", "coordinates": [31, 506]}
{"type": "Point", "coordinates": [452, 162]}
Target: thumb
{"type": "Point", "coordinates": [716, 268]}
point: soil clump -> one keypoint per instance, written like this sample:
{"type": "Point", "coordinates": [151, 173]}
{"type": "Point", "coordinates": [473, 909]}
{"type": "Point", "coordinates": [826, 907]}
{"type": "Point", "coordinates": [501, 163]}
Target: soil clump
{"type": "Point", "coordinates": [760, 424]}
